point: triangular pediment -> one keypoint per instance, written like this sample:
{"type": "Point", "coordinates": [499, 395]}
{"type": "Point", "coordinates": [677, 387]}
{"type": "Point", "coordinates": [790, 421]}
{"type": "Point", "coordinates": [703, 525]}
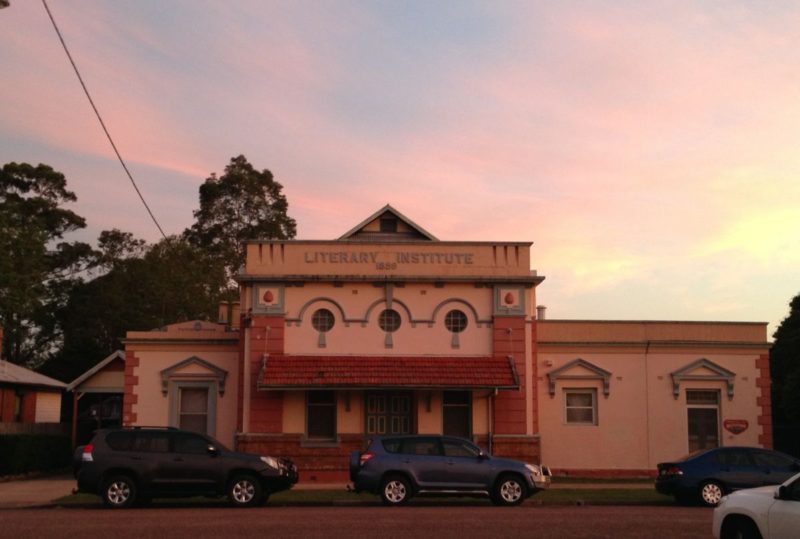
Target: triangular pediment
{"type": "Point", "coordinates": [703, 370]}
{"type": "Point", "coordinates": [579, 369]}
{"type": "Point", "coordinates": [194, 368]}
{"type": "Point", "coordinates": [388, 224]}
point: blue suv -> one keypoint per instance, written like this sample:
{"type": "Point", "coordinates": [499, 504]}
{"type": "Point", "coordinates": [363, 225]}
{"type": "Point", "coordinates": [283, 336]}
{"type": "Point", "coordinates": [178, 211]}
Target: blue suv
{"type": "Point", "coordinates": [399, 467]}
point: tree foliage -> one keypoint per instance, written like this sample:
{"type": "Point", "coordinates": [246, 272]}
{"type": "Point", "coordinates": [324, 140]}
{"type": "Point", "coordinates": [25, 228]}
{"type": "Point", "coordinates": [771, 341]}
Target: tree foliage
{"type": "Point", "coordinates": [172, 281]}
{"type": "Point", "coordinates": [242, 204]}
{"type": "Point", "coordinates": [785, 367]}
{"type": "Point", "coordinates": [36, 269]}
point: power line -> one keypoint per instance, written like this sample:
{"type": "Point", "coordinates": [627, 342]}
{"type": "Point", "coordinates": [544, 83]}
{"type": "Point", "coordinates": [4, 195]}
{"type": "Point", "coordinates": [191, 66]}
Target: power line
{"type": "Point", "coordinates": [100, 118]}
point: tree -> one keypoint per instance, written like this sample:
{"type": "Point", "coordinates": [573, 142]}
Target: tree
{"type": "Point", "coordinates": [145, 287]}
{"type": "Point", "coordinates": [36, 270]}
{"type": "Point", "coordinates": [242, 204]}
{"type": "Point", "coordinates": [784, 362]}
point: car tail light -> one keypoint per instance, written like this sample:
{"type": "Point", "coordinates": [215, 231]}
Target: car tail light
{"type": "Point", "coordinates": [671, 470]}
{"type": "Point", "coordinates": [87, 453]}
{"type": "Point", "coordinates": [364, 457]}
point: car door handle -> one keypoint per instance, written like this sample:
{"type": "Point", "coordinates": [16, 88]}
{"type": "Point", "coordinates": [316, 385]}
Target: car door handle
{"type": "Point", "coordinates": [450, 463]}
{"type": "Point", "coordinates": [406, 461]}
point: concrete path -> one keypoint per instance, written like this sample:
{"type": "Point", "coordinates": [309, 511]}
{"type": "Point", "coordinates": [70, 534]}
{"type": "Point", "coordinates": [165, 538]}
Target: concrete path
{"type": "Point", "coordinates": [36, 492]}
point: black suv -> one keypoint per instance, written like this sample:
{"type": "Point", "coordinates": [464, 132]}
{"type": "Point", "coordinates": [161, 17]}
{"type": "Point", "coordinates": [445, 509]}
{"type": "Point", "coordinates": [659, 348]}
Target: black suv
{"type": "Point", "coordinates": [399, 467]}
{"type": "Point", "coordinates": [132, 465]}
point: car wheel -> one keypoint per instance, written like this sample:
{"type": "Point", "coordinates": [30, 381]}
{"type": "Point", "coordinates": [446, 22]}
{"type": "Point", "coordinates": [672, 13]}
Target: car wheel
{"type": "Point", "coordinates": [739, 528]}
{"type": "Point", "coordinates": [509, 490]}
{"type": "Point", "coordinates": [395, 490]}
{"type": "Point", "coordinates": [711, 493]}
{"type": "Point", "coordinates": [119, 492]}
{"type": "Point", "coordinates": [245, 491]}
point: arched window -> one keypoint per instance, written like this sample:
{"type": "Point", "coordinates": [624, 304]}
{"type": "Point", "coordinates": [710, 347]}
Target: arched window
{"type": "Point", "coordinates": [322, 320]}
{"type": "Point", "coordinates": [389, 321]}
{"type": "Point", "coordinates": [455, 321]}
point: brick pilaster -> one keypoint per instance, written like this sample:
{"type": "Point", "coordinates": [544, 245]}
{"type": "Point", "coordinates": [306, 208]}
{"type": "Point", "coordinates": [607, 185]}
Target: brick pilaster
{"type": "Point", "coordinates": [129, 398]}
{"type": "Point", "coordinates": [266, 407]}
{"type": "Point", "coordinates": [764, 401]}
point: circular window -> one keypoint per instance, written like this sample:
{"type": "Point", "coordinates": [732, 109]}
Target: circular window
{"type": "Point", "coordinates": [322, 320]}
{"type": "Point", "coordinates": [389, 320]}
{"type": "Point", "coordinates": [455, 321]}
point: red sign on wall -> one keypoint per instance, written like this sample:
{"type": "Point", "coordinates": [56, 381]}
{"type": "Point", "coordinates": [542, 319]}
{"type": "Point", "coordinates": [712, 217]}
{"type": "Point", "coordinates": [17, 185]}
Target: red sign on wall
{"type": "Point", "coordinates": [736, 426]}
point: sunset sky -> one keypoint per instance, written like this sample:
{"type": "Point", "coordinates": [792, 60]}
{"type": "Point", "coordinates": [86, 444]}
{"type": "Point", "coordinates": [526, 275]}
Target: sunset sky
{"type": "Point", "coordinates": [650, 150]}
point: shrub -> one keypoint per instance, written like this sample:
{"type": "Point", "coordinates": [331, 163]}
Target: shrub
{"type": "Point", "coordinates": [22, 453]}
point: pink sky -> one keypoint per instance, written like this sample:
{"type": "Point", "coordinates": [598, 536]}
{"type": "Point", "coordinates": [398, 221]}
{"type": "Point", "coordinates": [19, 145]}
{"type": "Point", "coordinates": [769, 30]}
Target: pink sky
{"type": "Point", "coordinates": [649, 152]}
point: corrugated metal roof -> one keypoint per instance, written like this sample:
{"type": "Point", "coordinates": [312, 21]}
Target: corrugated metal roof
{"type": "Point", "coordinates": [14, 374]}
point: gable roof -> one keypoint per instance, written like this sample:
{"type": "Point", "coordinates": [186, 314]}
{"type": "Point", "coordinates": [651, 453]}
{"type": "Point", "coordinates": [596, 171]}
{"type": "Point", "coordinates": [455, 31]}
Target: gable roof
{"type": "Point", "coordinates": [414, 233]}
{"type": "Point", "coordinates": [14, 374]}
{"type": "Point", "coordinates": [119, 354]}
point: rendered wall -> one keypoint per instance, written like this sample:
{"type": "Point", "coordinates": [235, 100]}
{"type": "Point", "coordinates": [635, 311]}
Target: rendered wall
{"type": "Point", "coordinates": [641, 423]}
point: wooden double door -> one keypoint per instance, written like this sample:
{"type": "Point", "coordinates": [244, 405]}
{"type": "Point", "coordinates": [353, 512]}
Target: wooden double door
{"type": "Point", "coordinates": [389, 412]}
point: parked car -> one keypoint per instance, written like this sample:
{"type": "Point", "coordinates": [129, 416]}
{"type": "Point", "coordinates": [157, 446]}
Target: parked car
{"type": "Point", "coordinates": [132, 465]}
{"type": "Point", "coordinates": [706, 476]}
{"type": "Point", "coordinates": [762, 513]}
{"type": "Point", "coordinates": [399, 467]}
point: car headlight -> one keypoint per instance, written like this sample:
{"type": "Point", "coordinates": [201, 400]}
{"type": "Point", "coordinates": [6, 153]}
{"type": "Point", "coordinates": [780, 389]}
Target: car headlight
{"type": "Point", "coordinates": [271, 462]}
{"type": "Point", "coordinates": [534, 469]}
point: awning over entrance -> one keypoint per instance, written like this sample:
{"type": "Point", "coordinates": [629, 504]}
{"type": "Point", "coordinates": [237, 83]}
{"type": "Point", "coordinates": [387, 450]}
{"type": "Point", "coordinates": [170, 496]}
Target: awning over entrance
{"type": "Point", "coordinates": [386, 372]}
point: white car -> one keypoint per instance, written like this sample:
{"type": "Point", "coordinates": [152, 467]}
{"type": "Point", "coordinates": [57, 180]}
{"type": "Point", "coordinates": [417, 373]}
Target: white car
{"type": "Point", "coordinates": [760, 513]}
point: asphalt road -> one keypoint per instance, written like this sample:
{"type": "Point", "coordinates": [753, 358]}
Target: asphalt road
{"type": "Point", "coordinates": [463, 522]}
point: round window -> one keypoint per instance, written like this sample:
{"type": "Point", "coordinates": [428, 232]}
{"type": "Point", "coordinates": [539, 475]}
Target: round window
{"type": "Point", "coordinates": [389, 320]}
{"type": "Point", "coordinates": [322, 320]}
{"type": "Point", "coordinates": [455, 321]}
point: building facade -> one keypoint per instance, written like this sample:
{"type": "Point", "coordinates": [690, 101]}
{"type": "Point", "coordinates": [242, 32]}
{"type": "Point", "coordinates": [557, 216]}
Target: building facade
{"type": "Point", "coordinates": [388, 330]}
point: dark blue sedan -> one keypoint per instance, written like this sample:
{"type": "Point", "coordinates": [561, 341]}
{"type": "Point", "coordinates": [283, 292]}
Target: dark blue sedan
{"type": "Point", "coordinates": [399, 467]}
{"type": "Point", "coordinates": [707, 475]}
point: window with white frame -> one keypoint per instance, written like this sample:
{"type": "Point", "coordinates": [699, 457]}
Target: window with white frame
{"type": "Point", "coordinates": [580, 406]}
{"type": "Point", "coordinates": [193, 405]}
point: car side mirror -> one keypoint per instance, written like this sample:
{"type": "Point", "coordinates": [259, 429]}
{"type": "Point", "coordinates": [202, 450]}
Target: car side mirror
{"type": "Point", "coordinates": [781, 493]}
{"type": "Point", "coordinates": [482, 455]}
{"type": "Point", "coordinates": [213, 451]}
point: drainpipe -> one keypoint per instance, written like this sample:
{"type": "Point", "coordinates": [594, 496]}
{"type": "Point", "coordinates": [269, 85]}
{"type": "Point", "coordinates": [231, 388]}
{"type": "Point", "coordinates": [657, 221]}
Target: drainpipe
{"type": "Point", "coordinates": [490, 410]}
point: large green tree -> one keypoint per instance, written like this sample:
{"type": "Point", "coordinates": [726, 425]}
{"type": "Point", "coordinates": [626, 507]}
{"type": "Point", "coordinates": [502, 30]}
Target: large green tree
{"type": "Point", "coordinates": [242, 204]}
{"type": "Point", "coordinates": [784, 361]}
{"type": "Point", "coordinates": [143, 287]}
{"type": "Point", "coordinates": [37, 270]}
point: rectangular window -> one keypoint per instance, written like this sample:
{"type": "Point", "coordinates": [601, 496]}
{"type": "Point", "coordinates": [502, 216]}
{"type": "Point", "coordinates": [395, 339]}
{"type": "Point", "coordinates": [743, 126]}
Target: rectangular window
{"type": "Point", "coordinates": [193, 409]}
{"type": "Point", "coordinates": [321, 415]}
{"type": "Point", "coordinates": [702, 408]}
{"type": "Point", "coordinates": [457, 413]}
{"type": "Point", "coordinates": [580, 406]}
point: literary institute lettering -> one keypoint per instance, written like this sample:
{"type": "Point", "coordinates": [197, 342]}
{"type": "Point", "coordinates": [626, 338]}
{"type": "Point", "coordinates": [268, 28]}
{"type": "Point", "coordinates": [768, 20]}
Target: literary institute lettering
{"type": "Point", "coordinates": [387, 260]}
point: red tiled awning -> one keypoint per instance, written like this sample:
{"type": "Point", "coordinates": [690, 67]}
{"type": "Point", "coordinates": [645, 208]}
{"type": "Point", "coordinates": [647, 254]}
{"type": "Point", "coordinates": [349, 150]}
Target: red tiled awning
{"type": "Point", "coordinates": [386, 372]}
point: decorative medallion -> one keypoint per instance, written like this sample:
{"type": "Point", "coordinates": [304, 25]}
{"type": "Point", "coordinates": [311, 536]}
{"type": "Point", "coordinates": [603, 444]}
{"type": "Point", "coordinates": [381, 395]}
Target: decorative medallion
{"type": "Point", "coordinates": [735, 426]}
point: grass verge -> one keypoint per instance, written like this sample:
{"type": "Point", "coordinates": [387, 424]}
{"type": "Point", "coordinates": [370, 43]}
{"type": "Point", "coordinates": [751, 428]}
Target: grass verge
{"type": "Point", "coordinates": [562, 496]}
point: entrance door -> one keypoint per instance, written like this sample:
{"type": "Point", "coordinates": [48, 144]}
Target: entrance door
{"type": "Point", "coordinates": [389, 412]}
{"type": "Point", "coordinates": [703, 419]}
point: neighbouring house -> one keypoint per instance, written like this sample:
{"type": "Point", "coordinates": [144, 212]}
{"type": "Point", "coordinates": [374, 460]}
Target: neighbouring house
{"type": "Point", "coordinates": [29, 401]}
{"type": "Point", "coordinates": [97, 397]}
{"type": "Point", "coordinates": [388, 330]}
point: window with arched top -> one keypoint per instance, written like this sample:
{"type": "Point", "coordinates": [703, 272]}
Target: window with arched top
{"type": "Point", "coordinates": [322, 320]}
{"type": "Point", "coordinates": [389, 321]}
{"type": "Point", "coordinates": [455, 321]}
